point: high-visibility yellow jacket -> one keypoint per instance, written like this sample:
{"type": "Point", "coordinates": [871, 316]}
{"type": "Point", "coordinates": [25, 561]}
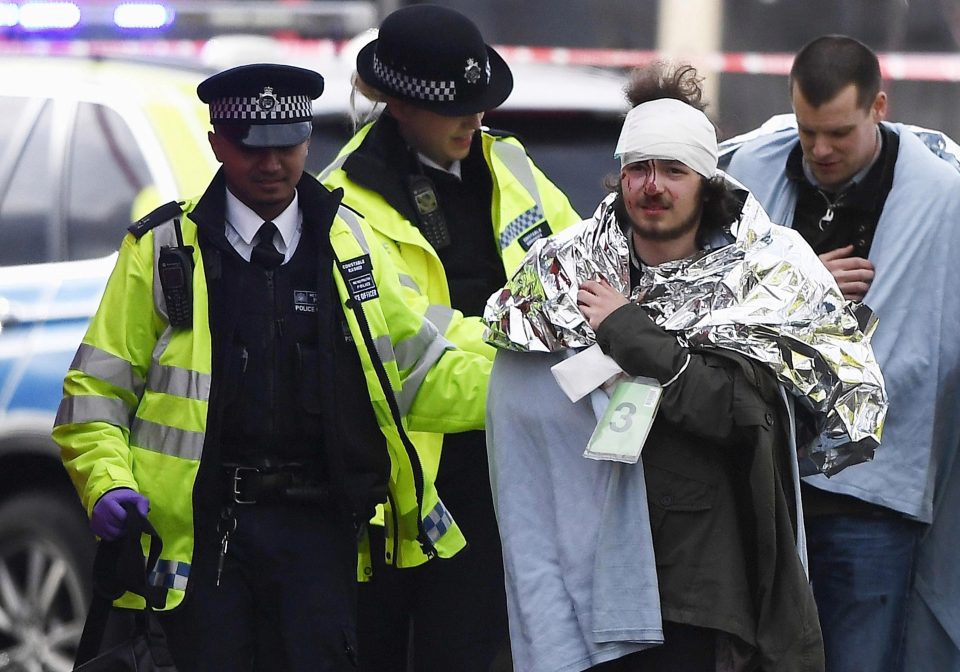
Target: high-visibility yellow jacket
{"type": "Point", "coordinates": [525, 206]}
{"type": "Point", "coordinates": [134, 411]}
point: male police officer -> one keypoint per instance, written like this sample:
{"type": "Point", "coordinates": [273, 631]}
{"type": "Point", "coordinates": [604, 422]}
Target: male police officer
{"type": "Point", "coordinates": [248, 378]}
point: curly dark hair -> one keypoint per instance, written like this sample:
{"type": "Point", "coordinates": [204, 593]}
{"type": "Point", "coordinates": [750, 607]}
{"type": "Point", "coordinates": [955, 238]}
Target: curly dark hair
{"type": "Point", "coordinates": [665, 80]}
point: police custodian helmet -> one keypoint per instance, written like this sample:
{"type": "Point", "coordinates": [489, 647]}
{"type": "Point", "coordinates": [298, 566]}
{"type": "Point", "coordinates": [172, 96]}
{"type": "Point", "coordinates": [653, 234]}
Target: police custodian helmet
{"type": "Point", "coordinates": [264, 104]}
{"type": "Point", "coordinates": [435, 58]}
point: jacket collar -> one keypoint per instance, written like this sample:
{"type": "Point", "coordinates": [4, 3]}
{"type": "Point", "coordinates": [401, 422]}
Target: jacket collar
{"type": "Point", "coordinates": [374, 164]}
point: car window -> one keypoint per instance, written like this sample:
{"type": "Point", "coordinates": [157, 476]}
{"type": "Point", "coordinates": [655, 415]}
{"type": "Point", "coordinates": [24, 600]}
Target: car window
{"type": "Point", "coordinates": [106, 172]}
{"type": "Point", "coordinates": [10, 110]}
{"type": "Point", "coordinates": [28, 203]}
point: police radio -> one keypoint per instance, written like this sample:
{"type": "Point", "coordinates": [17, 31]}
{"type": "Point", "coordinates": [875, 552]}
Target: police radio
{"type": "Point", "coordinates": [175, 268]}
{"type": "Point", "coordinates": [433, 225]}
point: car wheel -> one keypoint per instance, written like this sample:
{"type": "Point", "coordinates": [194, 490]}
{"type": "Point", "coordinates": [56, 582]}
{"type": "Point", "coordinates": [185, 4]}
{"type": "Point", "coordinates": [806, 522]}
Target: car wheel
{"type": "Point", "coordinates": [46, 555]}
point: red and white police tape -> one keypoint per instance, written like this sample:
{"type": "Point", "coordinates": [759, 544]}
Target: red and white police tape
{"type": "Point", "coordinates": [934, 67]}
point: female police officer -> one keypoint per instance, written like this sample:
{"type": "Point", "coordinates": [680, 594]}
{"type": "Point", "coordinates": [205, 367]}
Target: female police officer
{"type": "Point", "coordinates": [456, 206]}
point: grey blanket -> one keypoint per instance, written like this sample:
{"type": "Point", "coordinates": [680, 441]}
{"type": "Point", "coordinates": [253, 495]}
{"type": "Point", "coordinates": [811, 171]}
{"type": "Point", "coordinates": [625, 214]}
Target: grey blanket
{"type": "Point", "coordinates": [580, 571]}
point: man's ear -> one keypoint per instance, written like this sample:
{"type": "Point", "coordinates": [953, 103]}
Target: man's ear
{"type": "Point", "coordinates": [879, 107]}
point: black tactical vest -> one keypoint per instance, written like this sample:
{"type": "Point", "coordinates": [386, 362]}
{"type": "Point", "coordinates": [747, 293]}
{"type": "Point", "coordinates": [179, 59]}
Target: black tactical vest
{"type": "Point", "coordinates": [273, 379]}
{"type": "Point", "coordinates": [287, 377]}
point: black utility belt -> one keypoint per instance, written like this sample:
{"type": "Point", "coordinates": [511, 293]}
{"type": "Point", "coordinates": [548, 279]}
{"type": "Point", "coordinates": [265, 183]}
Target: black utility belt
{"type": "Point", "coordinates": [279, 483]}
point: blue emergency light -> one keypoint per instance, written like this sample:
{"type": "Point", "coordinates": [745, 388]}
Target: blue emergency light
{"type": "Point", "coordinates": [142, 15]}
{"type": "Point", "coordinates": [59, 15]}
{"type": "Point", "coordinates": [197, 18]}
{"type": "Point", "coordinates": [9, 14]}
{"type": "Point", "coordinates": [48, 15]}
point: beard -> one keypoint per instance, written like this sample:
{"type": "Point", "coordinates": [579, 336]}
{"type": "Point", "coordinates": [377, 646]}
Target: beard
{"type": "Point", "coordinates": [662, 234]}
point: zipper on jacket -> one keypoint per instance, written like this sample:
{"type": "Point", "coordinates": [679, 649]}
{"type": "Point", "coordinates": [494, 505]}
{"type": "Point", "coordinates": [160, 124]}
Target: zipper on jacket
{"type": "Point", "coordinates": [395, 551]}
{"type": "Point", "coordinates": [425, 544]}
{"type": "Point", "coordinates": [274, 358]}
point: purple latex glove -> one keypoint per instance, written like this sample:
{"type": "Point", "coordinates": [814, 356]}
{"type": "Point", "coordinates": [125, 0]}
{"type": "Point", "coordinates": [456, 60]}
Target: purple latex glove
{"type": "Point", "coordinates": [109, 516]}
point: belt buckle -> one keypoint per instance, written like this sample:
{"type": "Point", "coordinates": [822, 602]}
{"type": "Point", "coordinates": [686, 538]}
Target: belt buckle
{"type": "Point", "coordinates": [235, 484]}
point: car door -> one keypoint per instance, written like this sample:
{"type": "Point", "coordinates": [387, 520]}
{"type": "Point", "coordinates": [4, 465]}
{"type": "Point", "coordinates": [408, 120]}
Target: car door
{"type": "Point", "coordinates": [70, 171]}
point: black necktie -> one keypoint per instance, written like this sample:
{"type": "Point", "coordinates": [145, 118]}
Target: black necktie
{"type": "Point", "coordinates": [264, 254]}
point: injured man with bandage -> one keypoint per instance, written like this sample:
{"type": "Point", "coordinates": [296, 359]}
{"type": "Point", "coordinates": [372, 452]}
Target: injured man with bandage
{"type": "Point", "coordinates": [663, 375]}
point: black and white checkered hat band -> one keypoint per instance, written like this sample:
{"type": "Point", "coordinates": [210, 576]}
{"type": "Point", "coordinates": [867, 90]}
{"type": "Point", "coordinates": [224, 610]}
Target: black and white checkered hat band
{"type": "Point", "coordinates": [252, 109]}
{"type": "Point", "coordinates": [421, 89]}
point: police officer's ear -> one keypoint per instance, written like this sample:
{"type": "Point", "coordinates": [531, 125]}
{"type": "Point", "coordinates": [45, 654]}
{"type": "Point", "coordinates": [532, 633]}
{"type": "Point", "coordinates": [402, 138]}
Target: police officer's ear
{"type": "Point", "coordinates": [401, 110]}
{"type": "Point", "coordinates": [215, 144]}
{"type": "Point", "coordinates": [226, 137]}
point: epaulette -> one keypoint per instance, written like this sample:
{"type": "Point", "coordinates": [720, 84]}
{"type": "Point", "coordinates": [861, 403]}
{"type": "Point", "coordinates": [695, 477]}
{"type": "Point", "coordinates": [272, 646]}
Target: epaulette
{"type": "Point", "coordinates": [500, 133]}
{"type": "Point", "coordinates": [164, 213]}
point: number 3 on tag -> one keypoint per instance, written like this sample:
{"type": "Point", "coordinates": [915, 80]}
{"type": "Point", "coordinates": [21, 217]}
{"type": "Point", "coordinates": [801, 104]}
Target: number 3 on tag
{"type": "Point", "coordinates": [624, 427]}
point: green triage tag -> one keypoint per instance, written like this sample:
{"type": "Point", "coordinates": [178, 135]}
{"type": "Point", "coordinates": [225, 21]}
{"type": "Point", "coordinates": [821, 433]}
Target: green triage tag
{"type": "Point", "coordinates": [623, 429]}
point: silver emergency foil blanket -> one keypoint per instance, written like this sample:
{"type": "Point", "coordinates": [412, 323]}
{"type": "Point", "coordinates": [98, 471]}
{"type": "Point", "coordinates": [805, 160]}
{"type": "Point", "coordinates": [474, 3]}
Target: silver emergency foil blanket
{"type": "Point", "coordinates": [766, 296]}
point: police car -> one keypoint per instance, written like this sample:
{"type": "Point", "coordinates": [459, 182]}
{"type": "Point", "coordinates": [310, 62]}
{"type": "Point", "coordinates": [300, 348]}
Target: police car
{"type": "Point", "coordinates": [86, 146]}
{"type": "Point", "coordinates": [89, 145]}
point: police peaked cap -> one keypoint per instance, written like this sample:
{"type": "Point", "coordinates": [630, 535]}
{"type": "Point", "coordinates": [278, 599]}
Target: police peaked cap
{"type": "Point", "coordinates": [268, 104]}
{"type": "Point", "coordinates": [435, 58]}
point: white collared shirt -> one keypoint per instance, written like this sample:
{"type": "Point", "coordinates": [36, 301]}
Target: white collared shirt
{"type": "Point", "coordinates": [243, 223]}
{"type": "Point", "coordinates": [454, 168]}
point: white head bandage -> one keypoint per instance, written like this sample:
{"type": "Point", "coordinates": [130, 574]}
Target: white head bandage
{"type": "Point", "coordinates": [672, 130]}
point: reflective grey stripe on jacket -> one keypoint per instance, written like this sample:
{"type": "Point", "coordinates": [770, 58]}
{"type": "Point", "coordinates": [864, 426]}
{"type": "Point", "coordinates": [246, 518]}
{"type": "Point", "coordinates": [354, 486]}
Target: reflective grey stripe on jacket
{"type": "Point", "coordinates": [440, 315]}
{"type": "Point", "coordinates": [165, 439]}
{"type": "Point", "coordinates": [92, 408]}
{"type": "Point", "coordinates": [518, 163]}
{"type": "Point", "coordinates": [335, 165]}
{"type": "Point", "coordinates": [350, 219]}
{"type": "Point", "coordinates": [431, 345]}
{"type": "Point", "coordinates": [178, 382]}
{"type": "Point", "coordinates": [118, 372]}
{"type": "Point", "coordinates": [110, 369]}
{"type": "Point", "coordinates": [101, 365]}
{"type": "Point", "coordinates": [416, 354]}
{"type": "Point", "coordinates": [408, 282]}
